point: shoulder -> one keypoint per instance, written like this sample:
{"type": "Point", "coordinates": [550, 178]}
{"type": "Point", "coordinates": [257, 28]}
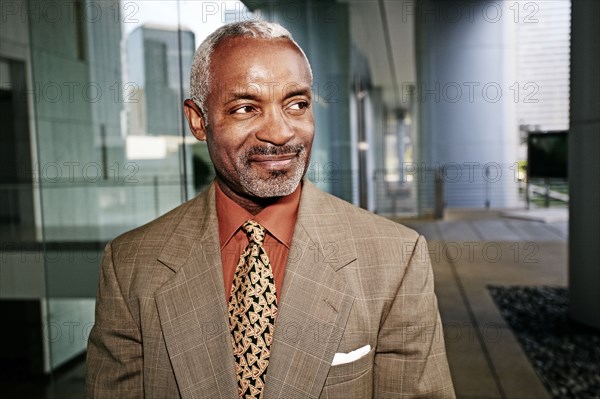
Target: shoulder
{"type": "Point", "coordinates": [160, 226]}
{"type": "Point", "coordinates": [135, 255]}
{"type": "Point", "coordinates": [151, 237]}
{"type": "Point", "coordinates": [362, 223]}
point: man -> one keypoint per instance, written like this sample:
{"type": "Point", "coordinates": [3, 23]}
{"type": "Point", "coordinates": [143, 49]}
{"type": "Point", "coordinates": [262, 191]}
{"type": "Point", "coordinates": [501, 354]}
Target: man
{"type": "Point", "coordinates": [264, 286]}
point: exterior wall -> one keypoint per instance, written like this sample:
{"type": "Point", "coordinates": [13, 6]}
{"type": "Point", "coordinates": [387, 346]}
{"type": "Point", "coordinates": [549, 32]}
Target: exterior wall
{"type": "Point", "coordinates": [543, 64]}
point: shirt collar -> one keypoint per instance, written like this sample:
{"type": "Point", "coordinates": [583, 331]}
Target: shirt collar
{"type": "Point", "coordinates": [278, 218]}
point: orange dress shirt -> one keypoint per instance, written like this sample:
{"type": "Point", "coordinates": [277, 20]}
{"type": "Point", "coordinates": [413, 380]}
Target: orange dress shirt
{"type": "Point", "coordinates": [278, 219]}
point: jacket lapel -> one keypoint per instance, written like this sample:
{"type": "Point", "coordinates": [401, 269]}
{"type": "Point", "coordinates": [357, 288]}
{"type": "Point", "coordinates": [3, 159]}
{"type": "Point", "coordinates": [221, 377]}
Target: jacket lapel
{"type": "Point", "coordinates": [192, 306]}
{"type": "Point", "coordinates": [315, 300]}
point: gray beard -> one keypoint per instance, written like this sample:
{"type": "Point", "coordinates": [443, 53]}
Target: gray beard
{"type": "Point", "coordinates": [279, 183]}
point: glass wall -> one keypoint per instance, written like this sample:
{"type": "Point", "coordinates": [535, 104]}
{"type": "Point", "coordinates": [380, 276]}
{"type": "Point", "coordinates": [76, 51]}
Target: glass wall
{"type": "Point", "coordinates": [108, 80]}
{"type": "Point", "coordinates": [94, 142]}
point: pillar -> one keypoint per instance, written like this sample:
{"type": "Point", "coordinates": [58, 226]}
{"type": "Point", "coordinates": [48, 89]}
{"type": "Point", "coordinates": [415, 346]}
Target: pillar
{"type": "Point", "coordinates": [584, 164]}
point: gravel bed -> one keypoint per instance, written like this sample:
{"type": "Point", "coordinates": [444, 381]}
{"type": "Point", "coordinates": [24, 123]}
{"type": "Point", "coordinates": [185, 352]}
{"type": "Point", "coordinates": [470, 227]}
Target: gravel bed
{"type": "Point", "coordinates": [565, 355]}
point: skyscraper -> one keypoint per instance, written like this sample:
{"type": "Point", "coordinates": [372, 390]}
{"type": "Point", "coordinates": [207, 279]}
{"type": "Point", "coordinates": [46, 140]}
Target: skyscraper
{"type": "Point", "coordinates": [155, 78]}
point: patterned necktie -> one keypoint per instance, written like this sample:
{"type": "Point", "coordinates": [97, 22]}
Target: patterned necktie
{"type": "Point", "coordinates": [252, 312]}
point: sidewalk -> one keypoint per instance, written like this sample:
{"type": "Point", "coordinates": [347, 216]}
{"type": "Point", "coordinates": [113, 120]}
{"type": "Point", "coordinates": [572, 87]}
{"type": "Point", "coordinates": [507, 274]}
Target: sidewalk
{"type": "Point", "coordinates": [470, 250]}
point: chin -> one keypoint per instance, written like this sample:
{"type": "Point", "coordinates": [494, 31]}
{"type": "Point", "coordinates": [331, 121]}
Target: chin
{"type": "Point", "coordinates": [273, 187]}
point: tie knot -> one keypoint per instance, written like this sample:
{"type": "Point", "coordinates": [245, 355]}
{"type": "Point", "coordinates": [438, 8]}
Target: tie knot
{"type": "Point", "coordinates": [254, 231]}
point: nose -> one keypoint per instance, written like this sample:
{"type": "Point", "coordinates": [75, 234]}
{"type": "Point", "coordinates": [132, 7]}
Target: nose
{"type": "Point", "coordinates": [275, 128]}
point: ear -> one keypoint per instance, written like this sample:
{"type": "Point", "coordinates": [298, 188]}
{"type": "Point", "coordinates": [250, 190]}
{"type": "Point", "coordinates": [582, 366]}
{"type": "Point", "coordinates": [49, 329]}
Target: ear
{"type": "Point", "coordinates": [195, 119]}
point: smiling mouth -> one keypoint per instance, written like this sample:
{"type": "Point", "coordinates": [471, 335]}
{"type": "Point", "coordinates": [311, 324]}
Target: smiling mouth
{"type": "Point", "coordinates": [273, 162]}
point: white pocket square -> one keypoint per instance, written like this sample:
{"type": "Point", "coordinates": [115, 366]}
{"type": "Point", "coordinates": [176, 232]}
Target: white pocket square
{"type": "Point", "coordinates": [343, 358]}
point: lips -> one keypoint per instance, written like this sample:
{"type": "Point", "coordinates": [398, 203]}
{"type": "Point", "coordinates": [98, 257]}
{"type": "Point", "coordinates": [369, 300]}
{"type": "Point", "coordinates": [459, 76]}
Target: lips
{"type": "Point", "coordinates": [279, 161]}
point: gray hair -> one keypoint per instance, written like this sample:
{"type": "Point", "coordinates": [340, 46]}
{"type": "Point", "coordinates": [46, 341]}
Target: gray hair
{"type": "Point", "coordinates": [200, 74]}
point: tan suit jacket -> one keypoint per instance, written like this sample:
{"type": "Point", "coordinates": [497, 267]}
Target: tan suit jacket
{"type": "Point", "coordinates": [352, 279]}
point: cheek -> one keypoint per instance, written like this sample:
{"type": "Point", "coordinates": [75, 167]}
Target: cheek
{"type": "Point", "coordinates": [305, 129]}
{"type": "Point", "coordinates": [307, 134]}
{"type": "Point", "coordinates": [225, 153]}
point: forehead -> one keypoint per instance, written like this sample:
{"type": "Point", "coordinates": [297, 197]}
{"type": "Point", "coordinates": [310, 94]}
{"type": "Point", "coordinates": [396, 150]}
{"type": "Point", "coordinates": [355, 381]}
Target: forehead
{"type": "Point", "coordinates": [247, 60]}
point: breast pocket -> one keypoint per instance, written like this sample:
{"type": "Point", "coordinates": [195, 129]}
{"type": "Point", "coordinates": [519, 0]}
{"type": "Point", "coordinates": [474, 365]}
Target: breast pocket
{"type": "Point", "coordinates": [351, 380]}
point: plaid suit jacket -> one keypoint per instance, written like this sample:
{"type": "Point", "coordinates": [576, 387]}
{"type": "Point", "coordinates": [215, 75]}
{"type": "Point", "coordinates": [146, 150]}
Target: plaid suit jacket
{"type": "Point", "coordinates": [352, 279]}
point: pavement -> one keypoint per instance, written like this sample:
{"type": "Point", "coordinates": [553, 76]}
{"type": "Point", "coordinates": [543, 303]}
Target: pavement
{"type": "Point", "coordinates": [471, 249]}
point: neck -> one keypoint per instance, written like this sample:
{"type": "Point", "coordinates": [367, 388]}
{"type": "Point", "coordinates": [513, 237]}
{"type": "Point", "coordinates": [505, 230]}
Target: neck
{"type": "Point", "coordinates": [252, 204]}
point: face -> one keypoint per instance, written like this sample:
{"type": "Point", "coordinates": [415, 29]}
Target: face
{"type": "Point", "coordinates": [259, 111]}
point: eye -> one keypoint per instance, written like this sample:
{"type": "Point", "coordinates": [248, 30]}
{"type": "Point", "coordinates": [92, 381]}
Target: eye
{"type": "Point", "coordinates": [299, 106]}
{"type": "Point", "coordinates": [246, 109]}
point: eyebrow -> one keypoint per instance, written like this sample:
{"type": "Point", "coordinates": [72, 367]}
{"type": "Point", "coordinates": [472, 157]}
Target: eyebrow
{"type": "Point", "coordinates": [302, 91]}
{"type": "Point", "coordinates": [252, 96]}
{"type": "Point", "coordinates": [234, 96]}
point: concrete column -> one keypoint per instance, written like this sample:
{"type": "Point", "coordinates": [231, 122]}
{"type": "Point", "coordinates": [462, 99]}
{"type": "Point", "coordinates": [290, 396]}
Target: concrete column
{"type": "Point", "coordinates": [584, 164]}
{"type": "Point", "coordinates": [465, 70]}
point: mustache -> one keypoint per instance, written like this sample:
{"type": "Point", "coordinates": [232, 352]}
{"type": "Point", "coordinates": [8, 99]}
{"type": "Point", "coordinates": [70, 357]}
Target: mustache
{"type": "Point", "coordinates": [274, 150]}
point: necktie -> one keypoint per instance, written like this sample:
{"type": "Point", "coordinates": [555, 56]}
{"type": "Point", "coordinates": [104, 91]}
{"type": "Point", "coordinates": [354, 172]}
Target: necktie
{"type": "Point", "coordinates": [252, 312]}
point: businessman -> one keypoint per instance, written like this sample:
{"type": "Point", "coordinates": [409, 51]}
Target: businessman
{"type": "Point", "coordinates": [263, 286]}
